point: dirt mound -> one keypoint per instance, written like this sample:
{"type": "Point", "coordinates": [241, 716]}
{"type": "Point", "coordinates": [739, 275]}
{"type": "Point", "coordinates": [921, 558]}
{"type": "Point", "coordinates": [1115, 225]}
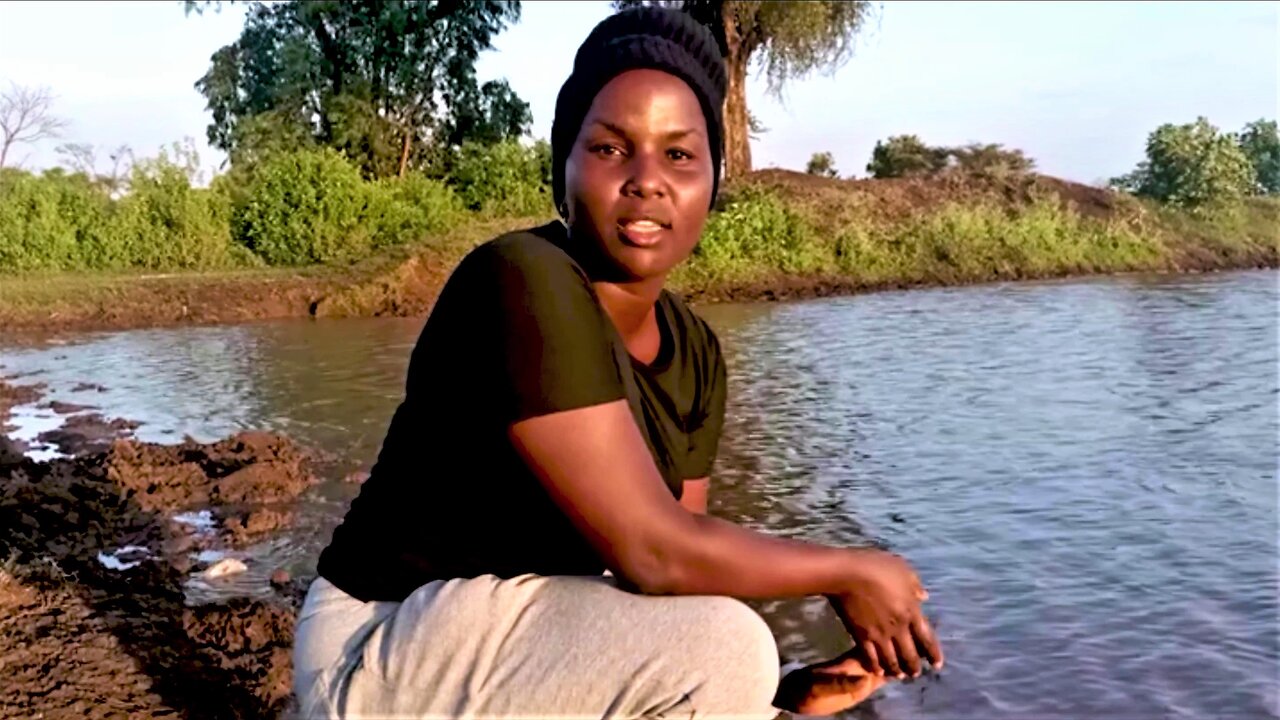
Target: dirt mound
{"type": "Point", "coordinates": [249, 468]}
{"type": "Point", "coordinates": [80, 639]}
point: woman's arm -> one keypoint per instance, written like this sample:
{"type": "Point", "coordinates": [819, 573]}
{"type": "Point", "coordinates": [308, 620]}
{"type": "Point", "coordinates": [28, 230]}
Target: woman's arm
{"type": "Point", "coordinates": [694, 497]}
{"type": "Point", "coordinates": [594, 463]}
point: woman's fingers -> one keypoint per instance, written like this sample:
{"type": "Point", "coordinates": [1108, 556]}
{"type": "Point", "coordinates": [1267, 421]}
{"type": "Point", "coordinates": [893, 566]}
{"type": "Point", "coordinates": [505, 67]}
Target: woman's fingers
{"type": "Point", "coordinates": [888, 657]}
{"type": "Point", "coordinates": [908, 660]}
{"type": "Point", "coordinates": [926, 641]}
{"type": "Point", "coordinates": [872, 657]}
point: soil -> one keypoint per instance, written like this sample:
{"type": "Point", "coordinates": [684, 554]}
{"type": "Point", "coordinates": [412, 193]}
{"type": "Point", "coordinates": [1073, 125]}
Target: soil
{"type": "Point", "coordinates": [79, 640]}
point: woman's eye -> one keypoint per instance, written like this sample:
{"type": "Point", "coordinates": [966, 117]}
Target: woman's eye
{"type": "Point", "coordinates": [606, 149]}
{"type": "Point", "coordinates": [677, 154]}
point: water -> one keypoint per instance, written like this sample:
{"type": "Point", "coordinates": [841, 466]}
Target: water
{"type": "Point", "coordinates": [1084, 473]}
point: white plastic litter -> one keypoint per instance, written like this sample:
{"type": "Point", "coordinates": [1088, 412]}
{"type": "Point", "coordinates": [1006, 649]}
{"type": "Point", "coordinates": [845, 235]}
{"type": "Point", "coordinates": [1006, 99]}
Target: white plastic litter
{"type": "Point", "coordinates": [224, 567]}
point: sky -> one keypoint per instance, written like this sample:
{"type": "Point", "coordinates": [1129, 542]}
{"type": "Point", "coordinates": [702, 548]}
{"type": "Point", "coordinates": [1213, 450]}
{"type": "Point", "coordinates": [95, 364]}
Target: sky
{"type": "Point", "coordinates": [1077, 86]}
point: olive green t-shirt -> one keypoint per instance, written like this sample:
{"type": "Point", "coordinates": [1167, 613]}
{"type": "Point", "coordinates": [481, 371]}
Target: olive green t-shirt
{"type": "Point", "coordinates": [517, 332]}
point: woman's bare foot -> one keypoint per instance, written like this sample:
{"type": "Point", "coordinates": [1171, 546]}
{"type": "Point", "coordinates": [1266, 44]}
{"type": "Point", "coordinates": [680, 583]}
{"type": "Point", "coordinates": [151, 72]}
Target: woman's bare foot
{"type": "Point", "coordinates": [828, 687]}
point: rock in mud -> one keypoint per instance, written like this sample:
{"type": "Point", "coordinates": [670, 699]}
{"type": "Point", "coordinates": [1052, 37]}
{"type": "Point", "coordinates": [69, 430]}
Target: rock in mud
{"type": "Point", "coordinates": [91, 433]}
{"type": "Point", "coordinates": [66, 408]}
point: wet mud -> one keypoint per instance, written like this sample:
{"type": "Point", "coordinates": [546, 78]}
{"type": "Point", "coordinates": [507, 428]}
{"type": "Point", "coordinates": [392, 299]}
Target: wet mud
{"type": "Point", "coordinates": [94, 622]}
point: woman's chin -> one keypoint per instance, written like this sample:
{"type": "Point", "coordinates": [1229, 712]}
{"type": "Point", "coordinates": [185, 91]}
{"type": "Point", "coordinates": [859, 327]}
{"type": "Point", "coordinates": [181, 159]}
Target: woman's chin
{"type": "Point", "coordinates": [639, 264]}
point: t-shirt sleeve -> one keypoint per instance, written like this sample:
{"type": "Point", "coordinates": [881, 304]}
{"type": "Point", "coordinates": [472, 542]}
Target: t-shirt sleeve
{"type": "Point", "coordinates": [704, 439]}
{"type": "Point", "coordinates": [537, 320]}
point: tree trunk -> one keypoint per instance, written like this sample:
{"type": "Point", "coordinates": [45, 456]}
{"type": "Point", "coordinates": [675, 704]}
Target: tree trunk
{"type": "Point", "coordinates": [404, 154]}
{"type": "Point", "coordinates": [737, 143]}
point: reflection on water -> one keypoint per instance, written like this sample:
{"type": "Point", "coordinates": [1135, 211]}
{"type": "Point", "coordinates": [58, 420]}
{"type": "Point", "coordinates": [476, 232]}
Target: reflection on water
{"type": "Point", "coordinates": [1083, 472]}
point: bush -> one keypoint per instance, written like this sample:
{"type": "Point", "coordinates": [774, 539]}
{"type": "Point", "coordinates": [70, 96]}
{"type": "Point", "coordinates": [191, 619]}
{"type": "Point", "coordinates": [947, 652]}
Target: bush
{"type": "Point", "coordinates": [47, 221]}
{"type": "Point", "coordinates": [408, 209]}
{"type": "Point", "coordinates": [302, 207]}
{"type": "Point", "coordinates": [165, 223]}
{"type": "Point", "coordinates": [1192, 166]}
{"type": "Point", "coordinates": [757, 233]}
{"type": "Point", "coordinates": [1260, 141]}
{"type": "Point", "coordinates": [504, 179]}
{"type": "Point", "coordinates": [822, 164]}
{"type": "Point", "coordinates": [990, 158]}
{"type": "Point", "coordinates": [905, 156]}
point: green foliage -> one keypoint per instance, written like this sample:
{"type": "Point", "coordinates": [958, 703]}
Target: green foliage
{"type": "Point", "coordinates": [409, 209]}
{"type": "Point", "coordinates": [990, 158]}
{"type": "Point", "coordinates": [757, 232]}
{"type": "Point", "coordinates": [303, 207]}
{"type": "Point", "coordinates": [1192, 166]}
{"type": "Point", "coordinates": [67, 221]}
{"type": "Point", "coordinates": [46, 220]}
{"type": "Point", "coordinates": [164, 222]}
{"type": "Point", "coordinates": [507, 178]}
{"type": "Point", "coordinates": [381, 82]}
{"type": "Point", "coordinates": [822, 164]}
{"type": "Point", "coordinates": [908, 156]}
{"type": "Point", "coordinates": [762, 236]}
{"type": "Point", "coordinates": [1260, 142]}
{"type": "Point", "coordinates": [905, 156]}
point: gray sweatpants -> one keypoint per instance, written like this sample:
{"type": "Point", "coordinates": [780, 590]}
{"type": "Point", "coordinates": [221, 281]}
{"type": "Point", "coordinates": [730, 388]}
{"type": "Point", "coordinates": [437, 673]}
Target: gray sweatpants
{"type": "Point", "coordinates": [532, 646]}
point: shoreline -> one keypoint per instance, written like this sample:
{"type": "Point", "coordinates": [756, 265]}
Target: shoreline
{"type": "Point", "coordinates": [115, 303]}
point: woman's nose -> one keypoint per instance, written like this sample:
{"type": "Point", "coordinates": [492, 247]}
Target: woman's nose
{"type": "Point", "coordinates": [646, 177]}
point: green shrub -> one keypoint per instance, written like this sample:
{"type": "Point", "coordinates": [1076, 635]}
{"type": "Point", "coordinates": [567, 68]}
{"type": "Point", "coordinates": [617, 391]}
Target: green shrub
{"type": "Point", "coordinates": [965, 243]}
{"type": "Point", "coordinates": [1192, 166]}
{"type": "Point", "coordinates": [504, 179]}
{"type": "Point", "coordinates": [905, 156]}
{"type": "Point", "coordinates": [822, 164]}
{"type": "Point", "coordinates": [47, 221]}
{"type": "Point", "coordinates": [757, 233]}
{"type": "Point", "coordinates": [1260, 142]}
{"type": "Point", "coordinates": [165, 223]}
{"type": "Point", "coordinates": [303, 207]}
{"type": "Point", "coordinates": [403, 210]}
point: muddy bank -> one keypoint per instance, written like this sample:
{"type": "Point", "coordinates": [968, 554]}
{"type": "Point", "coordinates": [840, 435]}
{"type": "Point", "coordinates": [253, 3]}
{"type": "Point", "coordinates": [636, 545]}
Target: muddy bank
{"type": "Point", "coordinates": [81, 639]}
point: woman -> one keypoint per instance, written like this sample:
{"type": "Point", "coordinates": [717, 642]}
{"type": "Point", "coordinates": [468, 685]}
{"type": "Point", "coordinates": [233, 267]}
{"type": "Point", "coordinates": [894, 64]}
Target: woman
{"type": "Point", "coordinates": [560, 419]}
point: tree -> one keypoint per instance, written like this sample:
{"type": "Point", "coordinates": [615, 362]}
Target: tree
{"type": "Point", "coordinates": [787, 40]}
{"type": "Point", "coordinates": [906, 156]}
{"type": "Point", "coordinates": [1192, 166]}
{"type": "Point", "coordinates": [26, 117]}
{"type": "Point", "coordinates": [1260, 142]}
{"type": "Point", "coordinates": [822, 164]}
{"type": "Point", "coordinates": [991, 158]}
{"type": "Point", "coordinates": [383, 82]}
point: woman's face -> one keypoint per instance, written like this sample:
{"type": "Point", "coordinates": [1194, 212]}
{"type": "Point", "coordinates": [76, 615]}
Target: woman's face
{"type": "Point", "coordinates": [638, 179]}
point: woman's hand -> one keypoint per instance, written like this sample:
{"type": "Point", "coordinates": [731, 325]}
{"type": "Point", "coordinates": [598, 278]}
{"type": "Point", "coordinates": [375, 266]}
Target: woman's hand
{"type": "Point", "coordinates": [828, 687]}
{"type": "Point", "coordinates": [881, 610]}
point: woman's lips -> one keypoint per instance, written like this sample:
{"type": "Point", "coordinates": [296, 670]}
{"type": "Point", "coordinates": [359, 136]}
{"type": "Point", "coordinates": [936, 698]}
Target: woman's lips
{"type": "Point", "coordinates": [642, 233]}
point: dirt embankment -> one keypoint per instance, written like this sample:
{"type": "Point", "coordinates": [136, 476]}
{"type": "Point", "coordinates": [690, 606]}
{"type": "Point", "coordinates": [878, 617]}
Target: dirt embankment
{"type": "Point", "coordinates": [79, 639]}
